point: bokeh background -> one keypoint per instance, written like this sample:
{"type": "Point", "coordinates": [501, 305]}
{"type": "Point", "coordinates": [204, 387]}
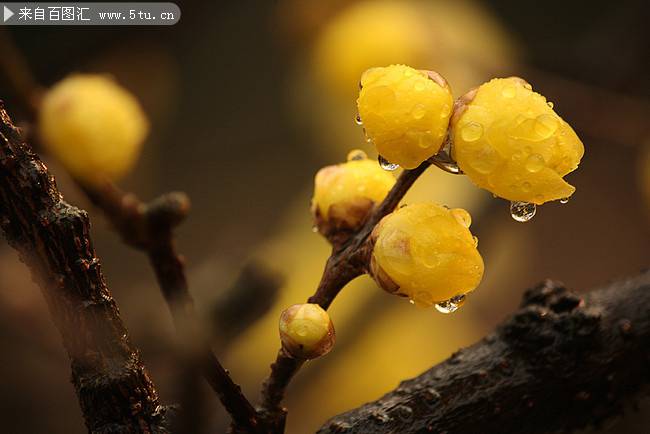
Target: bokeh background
{"type": "Point", "coordinates": [249, 98]}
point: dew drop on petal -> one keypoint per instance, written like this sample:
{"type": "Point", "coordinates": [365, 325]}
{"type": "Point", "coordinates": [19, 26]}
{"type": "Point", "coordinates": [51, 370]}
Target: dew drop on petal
{"type": "Point", "coordinates": [387, 165]}
{"type": "Point", "coordinates": [471, 132]}
{"type": "Point", "coordinates": [546, 125]}
{"type": "Point", "coordinates": [475, 238]}
{"type": "Point", "coordinates": [550, 104]}
{"type": "Point", "coordinates": [418, 112]}
{"type": "Point", "coordinates": [451, 305]}
{"type": "Point", "coordinates": [462, 217]}
{"type": "Point", "coordinates": [356, 155]}
{"type": "Point", "coordinates": [535, 163]}
{"type": "Point", "coordinates": [564, 200]}
{"type": "Point", "coordinates": [358, 120]}
{"type": "Point", "coordinates": [522, 211]}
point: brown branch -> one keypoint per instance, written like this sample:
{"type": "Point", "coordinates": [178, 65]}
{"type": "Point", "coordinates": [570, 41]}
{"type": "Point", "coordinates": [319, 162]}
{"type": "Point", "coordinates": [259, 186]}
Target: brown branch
{"type": "Point", "coordinates": [149, 227]}
{"type": "Point", "coordinates": [347, 261]}
{"type": "Point", "coordinates": [560, 363]}
{"type": "Point", "coordinates": [52, 238]}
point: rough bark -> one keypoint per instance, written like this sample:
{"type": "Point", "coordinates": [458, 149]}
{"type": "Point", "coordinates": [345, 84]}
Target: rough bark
{"type": "Point", "coordinates": [560, 363]}
{"type": "Point", "coordinates": [52, 237]}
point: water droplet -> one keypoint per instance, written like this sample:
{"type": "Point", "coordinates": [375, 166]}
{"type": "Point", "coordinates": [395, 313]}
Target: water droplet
{"type": "Point", "coordinates": [546, 125]}
{"type": "Point", "coordinates": [412, 301]}
{"type": "Point", "coordinates": [451, 305]}
{"type": "Point", "coordinates": [356, 155]}
{"type": "Point", "coordinates": [535, 163]}
{"type": "Point", "coordinates": [526, 186]}
{"type": "Point", "coordinates": [564, 200]}
{"type": "Point", "coordinates": [528, 86]}
{"type": "Point", "coordinates": [522, 211]}
{"type": "Point", "coordinates": [387, 165]}
{"type": "Point", "coordinates": [358, 120]}
{"type": "Point", "coordinates": [444, 161]}
{"type": "Point", "coordinates": [462, 217]}
{"type": "Point", "coordinates": [418, 112]}
{"type": "Point", "coordinates": [471, 132]}
{"type": "Point", "coordinates": [314, 228]}
{"type": "Point", "coordinates": [550, 104]}
{"type": "Point", "coordinates": [475, 238]}
{"type": "Point", "coordinates": [509, 91]}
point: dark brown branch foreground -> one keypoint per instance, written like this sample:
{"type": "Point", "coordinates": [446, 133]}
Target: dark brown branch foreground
{"type": "Point", "coordinates": [347, 261]}
{"type": "Point", "coordinates": [149, 227]}
{"type": "Point", "coordinates": [52, 238]}
{"type": "Point", "coordinates": [560, 363]}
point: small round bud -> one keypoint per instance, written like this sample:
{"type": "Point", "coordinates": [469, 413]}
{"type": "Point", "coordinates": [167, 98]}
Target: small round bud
{"type": "Point", "coordinates": [405, 112]}
{"type": "Point", "coordinates": [306, 331]}
{"type": "Point", "coordinates": [426, 252]}
{"type": "Point", "coordinates": [509, 141]}
{"type": "Point", "coordinates": [345, 193]}
{"type": "Point", "coordinates": [93, 126]}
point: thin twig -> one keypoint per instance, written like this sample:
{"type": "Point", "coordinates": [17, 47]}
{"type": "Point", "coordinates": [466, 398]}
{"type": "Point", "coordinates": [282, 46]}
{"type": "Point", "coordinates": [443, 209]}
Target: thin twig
{"type": "Point", "coordinates": [149, 227]}
{"type": "Point", "coordinates": [347, 261]}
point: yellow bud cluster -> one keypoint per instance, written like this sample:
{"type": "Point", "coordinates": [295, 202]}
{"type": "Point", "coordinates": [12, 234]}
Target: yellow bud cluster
{"type": "Point", "coordinates": [94, 127]}
{"type": "Point", "coordinates": [345, 193]}
{"type": "Point", "coordinates": [405, 112]}
{"type": "Point", "coordinates": [306, 331]}
{"type": "Point", "coordinates": [426, 252]}
{"type": "Point", "coordinates": [509, 141]}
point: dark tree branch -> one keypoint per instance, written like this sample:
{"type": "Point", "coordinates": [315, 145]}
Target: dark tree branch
{"type": "Point", "coordinates": [52, 238]}
{"type": "Point", "coordinates": [149, 227]}
{"type": "Point", "coordinates": [560, 363]}
{"type": "Point", "coordinates": [347, 261]}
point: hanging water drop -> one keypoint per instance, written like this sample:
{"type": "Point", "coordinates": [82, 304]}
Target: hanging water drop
{"type": "Point", "coordinates": [387, 165]}
{"type": "Point", "coordinates": [564, 200]}
{"type": "Point", "coordinates": [522, 211]}
{"type": "Point", "coordinates": [314, 229]}
{"type": "Point", "coordinates": [451, 305]}
{"type": "Point", "coordinates": [358, 120]}
{"type": "Point", "coordinates": [356, 155]}
{"type": "Point", "coordinates": [444, 161]}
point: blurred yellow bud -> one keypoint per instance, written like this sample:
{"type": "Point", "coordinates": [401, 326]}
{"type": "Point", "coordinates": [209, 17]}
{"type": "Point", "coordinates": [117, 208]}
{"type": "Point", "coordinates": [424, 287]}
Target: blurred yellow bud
{"type": "Point", "coordinates": [93, 126]}
{"type": "Point", "coordinates": [426, 252]}
{"type": "Point", "coordinates": [405, 112]}
{"type": "Point", "coordinates": [370, 33]}
{"type": "Point", "coordinates": [509, 141]}
{"type": "Point", "coordinates": [345, 193]}
{"type": "Point", "coordinates": [306, 331]}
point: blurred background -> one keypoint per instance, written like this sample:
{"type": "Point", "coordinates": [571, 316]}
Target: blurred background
{"type": "Point", "coordinates": [248, 99]}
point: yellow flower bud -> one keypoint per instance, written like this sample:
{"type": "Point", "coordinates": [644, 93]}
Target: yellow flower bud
{"type": "Point", "coordinates": [345, 193]}
{"type": "Point", "coordinates": [509, 141]}
{"type": "Point", "coordinates": [426, 252]}
{"type": "Point", "coordinates": [94, 127]}
{"type": "Point", "coordinates": [405, 112]}
{"type": "Point", "coordinates": [306, 331]}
